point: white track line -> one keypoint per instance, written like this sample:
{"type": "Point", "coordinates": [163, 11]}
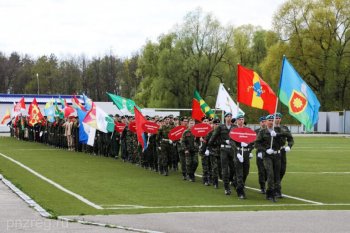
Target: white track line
{"type": "Point", "coordinates": [291, 197]}
{"type": "Point", "coordinates": [117, 207]}
{"type": "Point", "coordinates": [319, 173]}
{"type": "Point", "coordinates": [54, 183]}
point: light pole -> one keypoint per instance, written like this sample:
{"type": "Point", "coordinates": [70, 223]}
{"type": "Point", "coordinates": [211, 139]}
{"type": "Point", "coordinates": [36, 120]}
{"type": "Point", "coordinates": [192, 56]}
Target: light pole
{"type": "Point", "coordinates": [37, 78]}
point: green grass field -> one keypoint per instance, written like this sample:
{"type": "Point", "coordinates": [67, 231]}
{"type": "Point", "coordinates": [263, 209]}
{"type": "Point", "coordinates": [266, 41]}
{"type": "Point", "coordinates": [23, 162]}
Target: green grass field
{"type": "Point", "coordinates": [318, 177]}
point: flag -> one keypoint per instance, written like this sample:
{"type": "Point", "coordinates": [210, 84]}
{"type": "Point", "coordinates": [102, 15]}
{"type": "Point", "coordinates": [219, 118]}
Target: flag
{"type": "Point", "coordinates": [98, 119]}
{"type": "Point", "coordinates": [34, 102]}
{"type": "Point", "coordinates": [58, 111]}
{"type": "Point", "coordinates": [141, 137]}
{"type": "Point", "coordinates": [20, 108]}
{"type": "Point", "coordinates": [200, 108]}
{"type": "Point", "coordinates": [123, 104]}
{"type": "Point", "coordinates": [298, 96]}
{"type": "Point", "coordinates": [225, 102]}
{"type": "Point", "coordinates": [49, 111]}
{"type": "Point", "coordinates": [34, 113]}
{"type": "Point", "coordinates": [83, 128]}
{"type": "Point", "coordinates": [76, 104]}
{"type": "Point", "coordinates": [87, 102]}
{"type": "Point", "coordinates": [6, 117]}
{"type": "Point", "coordinates": [253, 91]}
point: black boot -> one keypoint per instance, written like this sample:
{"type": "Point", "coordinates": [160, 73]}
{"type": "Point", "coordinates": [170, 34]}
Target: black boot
{"type": "Point", "coordinates": [270, 196]}
{"type": "Point", "coordinates": [192, 179]}
{"type": "Point", "coordinates": [166, 173]}
{"type": "Point", "coordinates": [216, 183]}
{"type": "Point", "coordinates": [227, 189]}
{"type": "Point", "coordinates": [184, 176]}
{"type": "Point", "coordinates": [205, 181]}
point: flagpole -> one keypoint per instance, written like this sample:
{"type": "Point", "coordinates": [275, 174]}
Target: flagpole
{"type": "Point", "coordinates": [279, 87]}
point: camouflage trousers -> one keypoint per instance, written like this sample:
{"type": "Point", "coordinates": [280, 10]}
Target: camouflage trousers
{"type": "Point", "coordinates": [227, 165]}
{"type": "Point", "coordinates": [191, 162]}
{"type": "Point", "coordinates": [261, 171]}
{"type": "Point", "coordinates": [272, 165]}
{"type": "Point", "coordinates": [242, 170]}
{"type": "Point", "coordinates": [215, 167]}
{"type": "Point", "coordinates": [206, 167]}
{"type": "Point", "coordinates": [283, 164]}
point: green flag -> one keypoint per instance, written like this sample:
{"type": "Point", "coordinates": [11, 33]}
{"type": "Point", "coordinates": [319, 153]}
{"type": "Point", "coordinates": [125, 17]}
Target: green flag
{"type": "Point", "coordinates": [123, 103]}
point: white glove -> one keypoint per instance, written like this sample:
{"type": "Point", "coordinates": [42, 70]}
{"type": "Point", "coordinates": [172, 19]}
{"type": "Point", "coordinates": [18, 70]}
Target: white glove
{"type": "Point", "coordinates": [170, 142]}
{"type": "Point", "coordinates": [250, 155]}
{"type": "Point", "coordinates": [273, 133]}
{"type": "Point", "coordinates": [243, 144]}
{"type": "Point", "coordinates": [269, 151]}
{"type": "Point", "coordinates": [260, 155]}
{"type": "Point", "coordinates": [159, 148]}
{"type": "Point", "coordinates": [287, 148]}
{"type": "Point", "coordinates": [227, 142]}
{"type": "Point", "coordinates": [240, 157]}
{"type": "Point", "coordinates": [149, 134]}
{"type": "Point", "coordinates": [206, 152]}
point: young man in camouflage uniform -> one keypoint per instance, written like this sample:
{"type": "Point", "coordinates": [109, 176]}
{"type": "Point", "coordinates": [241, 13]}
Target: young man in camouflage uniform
{"type": "Point", "coordinates": [242, 159]}
{"type": "Point", "coordinates": [165, 147]}
{"type": "Point", "coordinates": [190, 145]}
{"type": "Point", "coordinates": [259, 159]}
{"type": "Point", "coordinates": [221, 136]}
{"type": "Point", "coordinates": [214, 152]}
{"type": "Point", "coordinates": [269, 141]}
{"type": "Point", "coordinates": [288, 138]}
{"type": "Point", "coordinates": [205, 158]}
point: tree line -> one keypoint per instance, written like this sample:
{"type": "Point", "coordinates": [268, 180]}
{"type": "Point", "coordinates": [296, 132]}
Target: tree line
{"type": "Point", "coordinates": [199, 54]}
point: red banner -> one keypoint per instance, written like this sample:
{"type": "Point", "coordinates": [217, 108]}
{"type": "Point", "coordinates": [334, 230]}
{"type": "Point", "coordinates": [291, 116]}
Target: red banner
{"type": "Point", "coordinates": [132, 126]}
{"type": "Point", "coordinates": [244, 134]}
{"type": "Point", "coordinates": [119, 127]}
{"type": "Point", "coordinates": [201, 130]}
{"type": "Point", "coordinates": [176, 133]}
{"type": "Point", "coordinates": [150, 127]}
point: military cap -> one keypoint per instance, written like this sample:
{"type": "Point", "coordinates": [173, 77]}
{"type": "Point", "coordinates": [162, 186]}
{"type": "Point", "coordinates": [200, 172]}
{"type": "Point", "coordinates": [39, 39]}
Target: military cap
{"type": "Point", "coordinates": [228, 114]}
{"type": "Point", "coordinates": [216, 121]}
{"type": "Point", "coordinates": [270, 117]}
{"type": "Point", "coordinates": [278, 115]}
{"type": "Point", "coordinates": [116, 115]}
{"type": "Point", "coordinates": [262, 118]}
{"type": "Point", "coordinates": [171, 116]}
{"type": "Point", "coordinates": [239, 115]}
{"type": "Point", "coordinates": [205, 118]}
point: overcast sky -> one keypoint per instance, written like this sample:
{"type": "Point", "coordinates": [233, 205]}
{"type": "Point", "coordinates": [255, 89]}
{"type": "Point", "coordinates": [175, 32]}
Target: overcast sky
{"type": "Point", "coordinates": [94, 28]}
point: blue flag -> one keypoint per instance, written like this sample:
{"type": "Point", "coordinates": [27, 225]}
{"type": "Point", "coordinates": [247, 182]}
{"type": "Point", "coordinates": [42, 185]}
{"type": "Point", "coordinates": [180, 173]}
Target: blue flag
{"type": "Point", "coordinates": [83, 136]}
{"type": "Point", "coordinates": [298, 96]}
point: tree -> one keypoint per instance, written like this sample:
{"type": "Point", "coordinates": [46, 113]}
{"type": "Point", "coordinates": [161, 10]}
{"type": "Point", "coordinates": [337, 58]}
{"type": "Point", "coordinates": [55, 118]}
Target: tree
{"type": "Point", "coordinates": [315, 38]}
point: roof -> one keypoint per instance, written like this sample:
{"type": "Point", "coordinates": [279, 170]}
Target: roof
{"type": "Point", "coordinates": [41, 99]}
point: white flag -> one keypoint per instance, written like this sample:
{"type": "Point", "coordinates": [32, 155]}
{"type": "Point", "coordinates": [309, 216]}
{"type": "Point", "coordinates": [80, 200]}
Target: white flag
{"type": "Point", "coordinates": [225, 102]}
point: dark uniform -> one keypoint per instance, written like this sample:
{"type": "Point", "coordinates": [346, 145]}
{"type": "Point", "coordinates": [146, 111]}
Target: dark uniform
{"type": "Point", "coordinates": [165, 147]}
{"type": "Point", "coordinates": [271, 157]}
{"type": "Point", "coordinates": [221, 136]}
{"type": "Point", "coordinates": [190, 145]}
{"type": "Point", "coordinates": [260, 163]}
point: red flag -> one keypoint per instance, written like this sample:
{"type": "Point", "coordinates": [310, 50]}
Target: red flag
{"type": "Point", "coordinates": [34, 113]}
{"type": "Point", "coordinates": [197, 112]}
{"type": "Point", "coordinates": [140, 120]}
{"type": "Point", "coordinates": [34, 102]}
{"type": "Point", "coordinates": [19, 107]}
{"type": "Point", "coordinates": [253, 91]}
{"type": "Point", "coordinates": [76, 104]}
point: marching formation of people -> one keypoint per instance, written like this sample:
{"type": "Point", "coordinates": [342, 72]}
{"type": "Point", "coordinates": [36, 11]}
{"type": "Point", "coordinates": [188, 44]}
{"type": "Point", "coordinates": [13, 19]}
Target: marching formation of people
{"type": "Point", "coordinates": [221, 156]}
